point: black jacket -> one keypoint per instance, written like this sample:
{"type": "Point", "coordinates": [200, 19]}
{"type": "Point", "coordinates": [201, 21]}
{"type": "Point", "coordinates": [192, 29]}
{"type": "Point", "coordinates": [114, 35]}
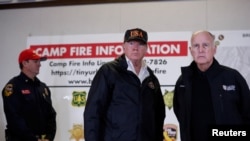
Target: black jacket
{"type": "Point", "coordinates": [28, 109]}
{"type": "Point", "coordinates": [230, 97]}
{"type": "Point", "coordinates": [121, 108]}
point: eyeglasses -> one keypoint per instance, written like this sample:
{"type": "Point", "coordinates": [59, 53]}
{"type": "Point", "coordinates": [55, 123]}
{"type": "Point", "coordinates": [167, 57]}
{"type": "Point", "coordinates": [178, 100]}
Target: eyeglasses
{"type": "Point", "coordinates": [202, 46]}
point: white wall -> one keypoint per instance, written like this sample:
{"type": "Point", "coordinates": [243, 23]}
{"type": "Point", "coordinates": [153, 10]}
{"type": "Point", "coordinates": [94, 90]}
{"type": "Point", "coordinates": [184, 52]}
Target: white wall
{"type": "Point", "coordinates": [187, 15]}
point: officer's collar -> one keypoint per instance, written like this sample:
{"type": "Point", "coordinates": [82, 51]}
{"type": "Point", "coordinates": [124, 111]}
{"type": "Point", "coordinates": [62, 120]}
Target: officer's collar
{"type": "Point", "coordinates": [27, 79]}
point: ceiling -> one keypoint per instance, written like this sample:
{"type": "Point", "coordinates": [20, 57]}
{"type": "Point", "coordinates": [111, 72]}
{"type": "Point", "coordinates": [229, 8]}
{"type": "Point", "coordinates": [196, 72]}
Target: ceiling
{"type": "Point", "coordinates": [10, 4]}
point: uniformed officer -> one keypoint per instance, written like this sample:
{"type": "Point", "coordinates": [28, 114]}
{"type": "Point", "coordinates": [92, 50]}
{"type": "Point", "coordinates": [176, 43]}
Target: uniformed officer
{"type": "Point", "coordinates": [27, 103]}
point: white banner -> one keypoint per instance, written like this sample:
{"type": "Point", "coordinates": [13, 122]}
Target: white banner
{"type": "Point", "coordinates": [74, 59]}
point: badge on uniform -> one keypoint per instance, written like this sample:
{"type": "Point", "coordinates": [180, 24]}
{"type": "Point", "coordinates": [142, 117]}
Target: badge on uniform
{"type": "Point", "coordinates": [8, 90]}
{"type": "Point", "coordinates": [45, 93]}
{"type": "Point", "coordinates": [151, 85]}
{"type": "Point", "coordinates": [25, 92]}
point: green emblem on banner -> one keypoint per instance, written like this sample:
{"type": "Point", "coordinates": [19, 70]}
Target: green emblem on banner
{"type": "Point", "coordinates": [79, 98]}
{"type": "Point", "coordinates": [168, 98]}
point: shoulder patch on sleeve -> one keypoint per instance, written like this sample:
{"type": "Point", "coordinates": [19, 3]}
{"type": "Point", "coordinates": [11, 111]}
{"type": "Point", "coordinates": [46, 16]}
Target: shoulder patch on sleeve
{"type": "Point", "coordinates": [8, 90]}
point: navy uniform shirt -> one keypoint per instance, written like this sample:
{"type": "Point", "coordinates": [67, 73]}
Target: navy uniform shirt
{"type": "Point", "coordinates": [28, 109]}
